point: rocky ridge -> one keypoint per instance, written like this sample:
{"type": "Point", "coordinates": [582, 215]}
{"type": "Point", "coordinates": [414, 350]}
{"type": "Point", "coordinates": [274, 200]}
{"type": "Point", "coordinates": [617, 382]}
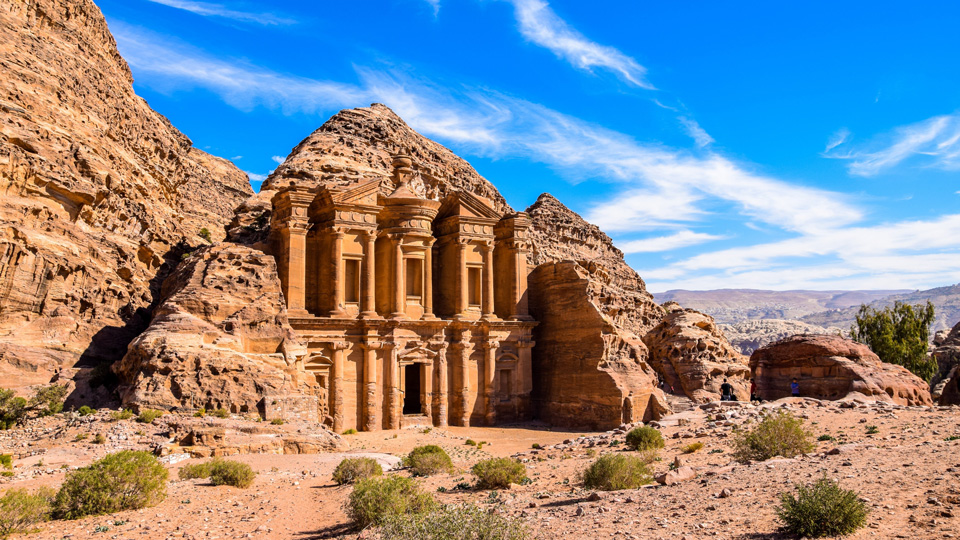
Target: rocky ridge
{"type": "Point", "coordinates": [100, 194]}
{"type": "Point", "coordinates": [748, 336]}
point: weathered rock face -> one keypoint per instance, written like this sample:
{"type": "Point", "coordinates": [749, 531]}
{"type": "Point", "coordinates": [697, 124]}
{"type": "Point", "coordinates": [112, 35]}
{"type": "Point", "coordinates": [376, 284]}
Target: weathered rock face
{"type": "Point", "coordinates": [98, 190]}
{"type": "Point", "coordinates": [588, 373]}
{"type": "Point", "coordinates": [748, 336]}
{"type": "Point", "coordinates": [220, 338]}
{"type": "Point", "coordinates": [830, 367]}
{"type": "Point", "coordinates": [944, 382]}
{"type": "Point", "coordinates": [693, 357]}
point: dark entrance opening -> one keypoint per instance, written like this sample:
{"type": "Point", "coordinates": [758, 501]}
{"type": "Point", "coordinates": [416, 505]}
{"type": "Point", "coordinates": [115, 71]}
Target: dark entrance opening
{"type": "Point", "coordinates": [411, 389]}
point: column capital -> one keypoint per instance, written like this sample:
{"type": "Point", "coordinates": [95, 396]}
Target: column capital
{"type": "Point", "coordinates": [371, 345]}
{"type": "Point", "coordinates": [486, 247]}
{"type": "Point", "coordinates": [525, 344]}
{"type": "Point", "coordinates": [493, 344]}
{"type": "Point", "coordinates": [339, 345]}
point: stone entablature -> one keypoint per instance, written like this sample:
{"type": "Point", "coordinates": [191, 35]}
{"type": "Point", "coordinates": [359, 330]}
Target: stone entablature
{"type": "Point", "coordinates": [410, 307]}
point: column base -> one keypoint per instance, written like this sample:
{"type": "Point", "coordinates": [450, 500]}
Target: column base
{"type": "Point", "coordinates": [429, 317]}
{"type": "Point", "coordinates": [398, 315]}
{"type": "Point", "coordinates": [298, 313]}
{"type": "Point", "coordinates": [370, 315]}
{"type": "Point", "coordinates": [521, 318]}
{"type": "Point", "coordinates": [339, 314]}
{"type": "Point", "coordinates": [490, 317]}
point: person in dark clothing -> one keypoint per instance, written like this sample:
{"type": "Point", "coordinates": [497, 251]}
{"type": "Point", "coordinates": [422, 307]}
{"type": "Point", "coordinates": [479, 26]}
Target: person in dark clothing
{"type": "Point", "coordinates": [726, 391]}
{"type": "Point", "coordinates": [795, 388]}
{"type": "Point", "coordinates": [753, 390]}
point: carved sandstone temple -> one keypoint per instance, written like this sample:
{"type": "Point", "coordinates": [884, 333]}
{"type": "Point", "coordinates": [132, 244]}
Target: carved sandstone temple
{"type": "Point", "coordinates": [411, 308]}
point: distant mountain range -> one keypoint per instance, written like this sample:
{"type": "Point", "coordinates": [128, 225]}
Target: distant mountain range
{"type": "Point", "coordinates": [751, 318]}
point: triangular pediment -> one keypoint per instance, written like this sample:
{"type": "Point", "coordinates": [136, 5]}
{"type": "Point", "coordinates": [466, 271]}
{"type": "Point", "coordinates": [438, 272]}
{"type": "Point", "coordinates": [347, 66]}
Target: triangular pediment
{"type": "Point", "coordinates": [464, 204]}
{"type": "Point", "coordinates": [362, 194]}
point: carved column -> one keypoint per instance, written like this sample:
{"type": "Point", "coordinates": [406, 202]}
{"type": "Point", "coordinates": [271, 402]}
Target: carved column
{"type": "Point", "coordinates": [440, 418]}
{"type": "Point", "coordinates": [391, 387]}
{"type": "Point", "coordinates": [336, 384]}
{"type": "Point", "coordinates": [487, 301]}
{"type": "Point", "coordinates": [337, 281]}
{"type": "Point", "coordinates": [462, 300]}
{"type": "Point", "coordinates": [428, 282]}
{"type": "Point", "coordinates": [368, 280]}
{"type": "Point", "coordinates": [427, 390]}
{"type": "Point", "coordinates": [522, 301]}
{"type": "Point", "coordinates": [296, 268]}
{"type": "Point", "coordinates": [399, 298]}
{"type": "Point", "coordinates": [524, 375]}
{"type": "Point", "coordinates": [371, 405]}
{"type": "Point", "coordinates": [489, 378]}
{"type": "Point", "coordinates": [465, 349]}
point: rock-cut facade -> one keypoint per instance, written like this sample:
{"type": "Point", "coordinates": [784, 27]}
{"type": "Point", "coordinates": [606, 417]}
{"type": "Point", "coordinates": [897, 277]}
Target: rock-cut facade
{"type": "Point", "coordinates": [412, 308]}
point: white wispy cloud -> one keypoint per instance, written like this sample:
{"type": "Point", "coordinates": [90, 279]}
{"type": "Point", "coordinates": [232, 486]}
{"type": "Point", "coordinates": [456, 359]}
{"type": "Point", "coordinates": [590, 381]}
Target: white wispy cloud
{"type": "Point", "coordinates": [934, 142]}
{"type": "Point", "coordinates": [434, 5]}
{"type": "Point", "coordinates": [697, 133]}
{"type": "Point", "coordinates": [219, 10]}
{"type": "Point", "coordinates": [278, 159]}
{"type": "Point", "coordinates": [680, 239]}
{"type": "Point", "coordinates": [254, 177]}
{"type": "Point", "coordinates": [654, 187]}
{"type": "Point", "coordinates": [839, 137]}
{"type": "Point", "coordinates": [539, 24]}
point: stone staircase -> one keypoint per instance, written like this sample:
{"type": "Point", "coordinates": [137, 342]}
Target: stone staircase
{"type": "Point", "coordinates": [679, 403]}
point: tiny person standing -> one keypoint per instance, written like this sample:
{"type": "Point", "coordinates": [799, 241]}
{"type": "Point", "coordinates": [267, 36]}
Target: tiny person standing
{"type": "Point", "coordinates": [795, 388]}
{"type": "Point", "coordinates": [753, 390]}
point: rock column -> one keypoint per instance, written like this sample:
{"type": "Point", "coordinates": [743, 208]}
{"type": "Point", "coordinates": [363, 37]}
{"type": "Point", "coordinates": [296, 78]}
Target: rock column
{"type": "Point", "coordinates": [440, 413]}
{"type": "Point", "coordinates": [489, 379]}
{"type": "Point", "coordinates": [391, 388]}
{"type": "Point", "coordinates": [336, 384]}
{"type": "Point", "coordinates": [399, 298]}
{"type": "Point", "coordinates": [371, 405]}
{"type": "Point", "coordinates": [336, 265]}
{"type": "Point", "coordinates": [487, 307]}
{"type": "Point", "coordinates": [428, 281]}
{"type": "Point", "coordinates": [369, 278]}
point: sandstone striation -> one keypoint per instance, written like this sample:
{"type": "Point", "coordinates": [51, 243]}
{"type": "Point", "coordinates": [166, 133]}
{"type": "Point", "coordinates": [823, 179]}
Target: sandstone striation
{"type": "Point", "coordinates": [693, 357]}
{"type": "Point", "coordinates": [99, 194]}
{"type": "Point", "coordinates": [219, 339]}
{"type": "Point", "coordinates": [830, 367]}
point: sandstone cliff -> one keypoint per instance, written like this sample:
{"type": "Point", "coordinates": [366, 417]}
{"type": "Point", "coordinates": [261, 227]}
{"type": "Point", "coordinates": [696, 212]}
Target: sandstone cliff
{"type": "Point", "coordinates": [219, 338]}
{"type": "Point", "coordinates": [830, 367]}
{"type": "Point", "coordinates": [748, 336]}
{"type": "Point", "coordinates": [693, 357]}
{"type": "Point", "coordinates": [98, 191]}
{"type": "Point", "coordinates": [945, 381]}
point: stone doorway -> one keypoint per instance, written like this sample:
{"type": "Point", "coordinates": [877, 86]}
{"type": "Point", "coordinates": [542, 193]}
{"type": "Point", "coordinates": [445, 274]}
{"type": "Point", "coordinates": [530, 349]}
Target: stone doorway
{"type": "Point", "coordinates": [412, 403]}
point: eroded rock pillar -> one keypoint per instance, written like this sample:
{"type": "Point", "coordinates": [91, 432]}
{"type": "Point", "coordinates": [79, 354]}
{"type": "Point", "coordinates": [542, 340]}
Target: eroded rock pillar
{"type": "Point", "coordinates": [368, 308]}
{"type": "Point", "coordinates": [336, 384]}
{"type": "Point", "coordinates": [489, 379]}
{"type": "Point", "coordinates": [391, 387]}
{"type": "Point", "coordinates": [371, 405]}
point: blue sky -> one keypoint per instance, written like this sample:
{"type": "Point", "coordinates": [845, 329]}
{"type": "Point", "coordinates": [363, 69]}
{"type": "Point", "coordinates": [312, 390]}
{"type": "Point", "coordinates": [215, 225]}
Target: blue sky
{"type": "Point", "coordinates": [722, 145]}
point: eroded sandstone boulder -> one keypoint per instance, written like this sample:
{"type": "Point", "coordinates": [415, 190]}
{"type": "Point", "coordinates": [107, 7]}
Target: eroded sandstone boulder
{"type": "Point", "coordinates": [692, 355]}
{"type": "Point", "coordinates": [220, 338]}
{"type": "Point", "coordinates": [830, 367]}
{"type": "Point", "coordinates": [947, 353]}
{"type": "Point", "coordinates": [97, 191]}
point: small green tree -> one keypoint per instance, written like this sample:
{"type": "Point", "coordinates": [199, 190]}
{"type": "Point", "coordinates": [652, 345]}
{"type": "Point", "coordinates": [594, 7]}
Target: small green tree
{"type": "Point", "coordinates": [205, 234]}
{"type": "Point", "coordinates": [126, 480]}
{"type": "Point", "coordinates": [822, 509]}
{"type": "Point", "coordinates": [898, 335]}
{"type": "Point", "coordinates": [778, 434]}
{"type": "Point", "coordinates": [48, 399]}
{"type": "Point", "coordinates": [378, 498]}
{"type": "Point", "coordinates": [644, 438]}
{"type": "Point", "coordinates": [12, 409]}
{"type": "Point", "coordinates": [21, 511]}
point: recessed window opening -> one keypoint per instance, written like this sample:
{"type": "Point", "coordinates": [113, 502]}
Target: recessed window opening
{"type": "Point", "coordinates": [351, 282]}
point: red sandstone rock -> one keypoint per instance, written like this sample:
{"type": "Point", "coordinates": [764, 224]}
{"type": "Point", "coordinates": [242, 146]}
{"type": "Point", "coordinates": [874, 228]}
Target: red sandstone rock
{"type": "Point", "coordinates": [830, 367]}
{"type": "Point", "coordinates": [97, 190]}
{"type": "Point", "coordinates": [680, 474]}
{"type": "Point", "coordinates": [693, 357]}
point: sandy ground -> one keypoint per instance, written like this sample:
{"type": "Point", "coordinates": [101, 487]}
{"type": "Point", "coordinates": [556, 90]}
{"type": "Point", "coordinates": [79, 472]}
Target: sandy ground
{"type": "Point", "coordinates": [908, 472]}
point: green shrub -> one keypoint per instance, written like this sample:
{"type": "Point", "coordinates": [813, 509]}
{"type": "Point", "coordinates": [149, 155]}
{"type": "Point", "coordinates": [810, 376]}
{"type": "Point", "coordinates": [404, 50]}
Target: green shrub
{"type": "Point", "coordinates": [613, 472]}
{"type": "Point", "coordinates": [691, 448]}
{"type": "Point", "coordinates": [872, 430]}
{"type": "Point", "coordinates": [350, 431]}
{"type": "Point", "coordinates": [499, 473]}
{"type": "Point", "coordinates": [898, 335]}
{"type": "Point", "coordinates": [85, 411]}
{"type": "Point", "coordinates": [13, 409]}
{"type": "Point", "coordinates": [277, 421]}
{"type": "Point", "coordinates": [644, 438]}
{"type": "Point", "coordinates": [778, 434]}
{"type": "Point", "coordinates": [21, 511]}
{"type": "Point", "coordinates": [428, 460]}
{"type": "Point", "coordinates": [201, 412]}
{"type": "Point", "coordinates": [48, 399]}
{"type": "Point", "coordinates": [823, 509]}
{"type": "Point", "coordinates": [205, 234]}
{"type": "Point", "coordinates": [147, 416]}
{"type": "Point", "coordinates": [221, 413]}
{"type": "Point", "coordinates": [126, 480]}
{"type": "Point", "coordinates": [470, 442]}
{"type": "Point", "coordinates": [6, 461]}
{"type": "Point", "coordinates": [826, 437]}
{"type": "Point", "coordinates": [224, 472]}
{"type": "Point", "coordinates": [123, 414]}
{"type": "Point", "coordinates": [195, 470]}
{"type": "Point", "coordinates": [81, 437]}
{"type": "Point", "coordinates": [376, 500]}
{"type": "Point", "coordinates": [99, 439]}
{"type": "Point", "coordinates": [352, 470]}
{"type": "Point", "coordinates": [454, 521]}
{"type": "Point", "coordinates": [537, 446]}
